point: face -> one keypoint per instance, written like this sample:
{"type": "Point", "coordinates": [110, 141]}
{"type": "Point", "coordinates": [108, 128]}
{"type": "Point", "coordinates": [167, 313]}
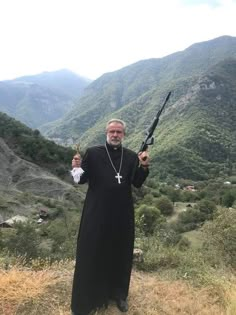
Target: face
{"type": "Point", "coordinates": [115, 133]}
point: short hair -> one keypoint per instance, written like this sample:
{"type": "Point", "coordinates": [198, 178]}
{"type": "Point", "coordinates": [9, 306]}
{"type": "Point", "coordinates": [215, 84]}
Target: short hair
{"type": "Point", "coordinates": [116, 120]}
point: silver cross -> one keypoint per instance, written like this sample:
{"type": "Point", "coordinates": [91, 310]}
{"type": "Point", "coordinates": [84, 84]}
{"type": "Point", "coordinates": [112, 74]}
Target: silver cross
{"type": "Point", "coordinates": [118, 176]}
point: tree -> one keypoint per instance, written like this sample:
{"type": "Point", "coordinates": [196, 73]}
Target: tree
{"type": "Point", "coordinates": [165, 205]}
{"type": "Point", "coordinates": [221, 236]}
{"type": "Point", "coordinates": [228, 198]}
{"type": "Point", "coordinates": [147, 218]}
{"type": "Point", "coordinates": [207, 207]}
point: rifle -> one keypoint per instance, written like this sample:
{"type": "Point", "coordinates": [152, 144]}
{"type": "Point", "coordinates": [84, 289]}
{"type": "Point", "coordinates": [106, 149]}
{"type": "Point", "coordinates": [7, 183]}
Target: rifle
{"type": "Point", "coordinates": [149, 140]}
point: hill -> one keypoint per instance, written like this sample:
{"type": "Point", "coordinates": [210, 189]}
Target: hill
{"type": "Point", "coordinates": [63, 81]}
{"type": "Point", "coordinates": [196, 134]}
{"type": "Point", "coordinates": [36, 100]}
{"type": "Point", "coordinates": [29, 168]}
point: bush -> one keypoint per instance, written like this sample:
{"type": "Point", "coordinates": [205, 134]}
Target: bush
{"type": "Point", "coordinates": [190, 220]}
{"type": "Point", "coordinates": [147, 218]}
{"type": "Point", "coordinates": [24, 242]}
{"type": "Point", "coordinates": [207, 207]}
{"type": "Point", "coordinates": [157, 256]}
{"type": "Point", "coordinates": [165, 205]}
{"type": "Point", "coordinates": [228, 198]}
{"type": "Point", "coordinates": [221, 236]}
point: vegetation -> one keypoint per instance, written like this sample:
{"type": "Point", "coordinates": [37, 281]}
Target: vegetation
{"type": "Point", "coordinates": [196, 132]}
{"type": "Point", "coordinates": [185, 213]}
{"type": "Point", "coordinates": [30, 145]}
{"type": "Point", "coordinates": [176, 264]}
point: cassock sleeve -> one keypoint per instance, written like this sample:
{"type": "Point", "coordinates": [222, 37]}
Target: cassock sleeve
{"type": "Point", "coordinates": [140, 174]}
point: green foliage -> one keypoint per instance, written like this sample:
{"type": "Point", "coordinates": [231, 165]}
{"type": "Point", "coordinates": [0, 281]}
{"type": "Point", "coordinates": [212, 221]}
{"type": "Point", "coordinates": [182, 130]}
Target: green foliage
{"type": "Point", "coordinates": [147, 218]}
{"type": "Point", "coordinates": [207, 206]}
{"type": "Point", "coordinates": [190, 219]}
{"type": "Point", "coordinates": [196, 132]}
{"type": "Point", "coordinates": [24, 242]}
{"type": "Point", "coordinates": [165, 205]}
{"type": "Point", "coordinates": [31, 146]}
{"type": "Point", "coordinates": [189, 196]}
{"type": "Point", "coordinates": [229, 197]}
{"type": "Point", "coordinates": [220, 238]}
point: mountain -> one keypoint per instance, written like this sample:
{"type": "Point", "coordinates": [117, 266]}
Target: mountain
{"type": "Point", "coordinates": [112, 91]}
{"type": "Point", "coordinates": [31, 146]}
{"type": "Point", "coordinates": [196, 135]}
{"type": "Point", "coordinates": [37, 100]}
{"type": "Point", "coordinates": [63, 81]}
{"type": "Point", "coordinates": [33, 171]}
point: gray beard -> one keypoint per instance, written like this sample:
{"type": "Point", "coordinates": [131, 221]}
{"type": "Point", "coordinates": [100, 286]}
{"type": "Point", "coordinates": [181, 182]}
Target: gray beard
{"type": "Point", "coordinates": [114, 145]}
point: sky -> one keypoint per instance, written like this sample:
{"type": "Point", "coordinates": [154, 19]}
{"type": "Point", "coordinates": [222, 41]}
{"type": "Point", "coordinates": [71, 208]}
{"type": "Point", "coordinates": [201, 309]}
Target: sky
{"type": "Point", "coordinates": [93, 37]}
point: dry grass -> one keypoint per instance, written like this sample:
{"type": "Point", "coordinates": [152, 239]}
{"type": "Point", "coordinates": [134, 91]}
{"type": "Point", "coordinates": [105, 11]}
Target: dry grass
{"type": "Point", "coordinates": [48, 291]}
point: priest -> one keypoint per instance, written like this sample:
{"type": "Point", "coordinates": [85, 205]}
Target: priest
{"type": "Point", "coordinates": [106, 235]}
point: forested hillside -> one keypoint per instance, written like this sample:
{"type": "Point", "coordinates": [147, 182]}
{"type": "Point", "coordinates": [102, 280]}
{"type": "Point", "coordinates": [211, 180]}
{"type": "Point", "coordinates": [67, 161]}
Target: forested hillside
{"type": "Point", "coordinates": [30, 145]}
{"type": "Point", "coordinates": [196, 136]}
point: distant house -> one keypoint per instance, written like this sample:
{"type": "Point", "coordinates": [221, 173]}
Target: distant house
{"type": "Point", "coordinates": [190, 188]}
{"type": "Point", "coordinates": [10, 222]}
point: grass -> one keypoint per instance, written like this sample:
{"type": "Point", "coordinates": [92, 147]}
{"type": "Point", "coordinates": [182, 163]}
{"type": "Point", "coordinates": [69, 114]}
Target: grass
{"type": "Point", "coordinates": [47, 291]}
{"type": "Point", "coordinates": [195, 237]}
{"type": "Point", "coordinates": [178, 208]}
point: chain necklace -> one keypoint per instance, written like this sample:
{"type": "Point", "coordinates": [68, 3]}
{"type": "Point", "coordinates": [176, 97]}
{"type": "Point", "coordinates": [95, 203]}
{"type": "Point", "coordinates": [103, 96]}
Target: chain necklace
{"type": "Point", "coordinates": [118, 176]}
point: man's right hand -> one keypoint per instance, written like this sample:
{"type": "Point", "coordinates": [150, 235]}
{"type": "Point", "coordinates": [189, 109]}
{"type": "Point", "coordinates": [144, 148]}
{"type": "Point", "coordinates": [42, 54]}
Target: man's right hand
{"type": "Point", "coordinates": [76, 162]}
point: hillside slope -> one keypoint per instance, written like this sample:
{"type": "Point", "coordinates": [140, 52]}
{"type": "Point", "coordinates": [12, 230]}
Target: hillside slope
{"type": "Point", "coordinates": [113, 91]}
{"type": "Point", "coordinates": [29, 170]}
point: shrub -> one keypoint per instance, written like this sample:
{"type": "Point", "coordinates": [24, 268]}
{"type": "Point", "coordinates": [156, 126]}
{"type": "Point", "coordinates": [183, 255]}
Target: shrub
{"type": "Point", "coordinates": [165, 205]}
{"type": "Point", "coordinates": [207, 207]}
{"type": "Point", "coordinates": [24, 242]}
{"type": "Point", "coordinates": [221, 236]}
{"type": "Point", "coordinates": [190, 220]}
{"type": "Point", "coordinates": [228, 198]}
{"type": "Point", "coordinates": [147, 218]}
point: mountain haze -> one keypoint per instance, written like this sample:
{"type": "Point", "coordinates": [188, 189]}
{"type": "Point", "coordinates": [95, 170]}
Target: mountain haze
{"type": "Point", "coordinates": [36, 100]}
{"type": "Point", "coordinates": [63, 81]}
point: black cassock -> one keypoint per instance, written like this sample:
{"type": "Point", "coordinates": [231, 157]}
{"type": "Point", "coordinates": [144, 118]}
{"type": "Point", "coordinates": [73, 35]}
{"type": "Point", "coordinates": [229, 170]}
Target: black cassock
{"type": "Point", "coordinates": [106, 236]}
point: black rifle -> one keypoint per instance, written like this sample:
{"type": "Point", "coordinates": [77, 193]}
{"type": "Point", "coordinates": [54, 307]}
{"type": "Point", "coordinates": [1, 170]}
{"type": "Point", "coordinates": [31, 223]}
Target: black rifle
{"type": "Point", "coordinates": [149, 140]}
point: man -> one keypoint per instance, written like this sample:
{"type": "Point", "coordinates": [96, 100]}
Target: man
{"type": "Point", "coordinates": [106, 236]}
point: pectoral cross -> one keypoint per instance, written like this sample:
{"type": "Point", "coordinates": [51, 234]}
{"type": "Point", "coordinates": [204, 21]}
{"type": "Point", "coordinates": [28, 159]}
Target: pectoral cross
{"type": "Point", "coordinates": [118, 176]}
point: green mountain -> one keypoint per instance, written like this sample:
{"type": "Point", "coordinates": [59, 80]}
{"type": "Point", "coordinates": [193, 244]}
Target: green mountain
{"type": "Point", "coordinates": [115, 90]}
{"type": "Point", "coordinates": [36, 100]}
{"type": "Point", "coordinates": [196, 135]}
{"type": "Point", "coordinates": [31, 146]}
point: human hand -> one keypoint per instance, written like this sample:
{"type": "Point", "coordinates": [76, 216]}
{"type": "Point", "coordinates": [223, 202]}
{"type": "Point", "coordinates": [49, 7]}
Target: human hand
{"type": "Point", "coordinates": [76, 162]}
{"type": "Point", "coordinates": [144, 158]}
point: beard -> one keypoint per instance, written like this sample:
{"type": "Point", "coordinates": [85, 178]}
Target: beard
{"type": "Point", "coordinates": [114, 142]}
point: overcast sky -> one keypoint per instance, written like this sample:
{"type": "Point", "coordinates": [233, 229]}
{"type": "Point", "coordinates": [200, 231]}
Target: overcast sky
{"type": "Point", "coordinates": [92, 37]}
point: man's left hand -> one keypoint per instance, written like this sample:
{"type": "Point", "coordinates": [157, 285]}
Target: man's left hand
{"type": "Point", "coordinates": [144, 159]}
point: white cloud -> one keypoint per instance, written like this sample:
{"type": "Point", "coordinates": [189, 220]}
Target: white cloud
{"type": "Point", "coordinates": [93, 37]}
